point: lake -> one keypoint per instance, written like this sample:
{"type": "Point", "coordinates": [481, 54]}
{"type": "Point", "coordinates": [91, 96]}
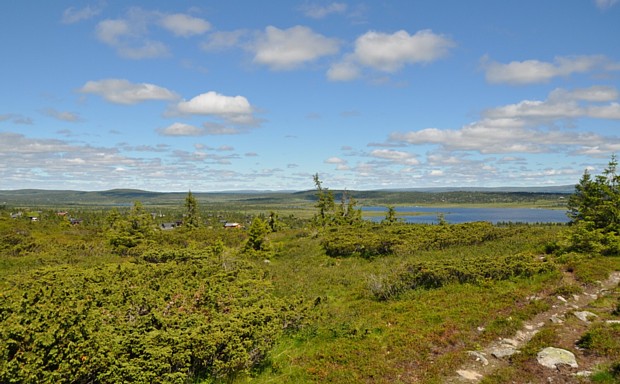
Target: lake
{"type": "Point", "coordinates": [429, 215]}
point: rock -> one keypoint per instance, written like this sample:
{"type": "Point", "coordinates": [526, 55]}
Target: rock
{"type": "Point", "coordinates": [555, 319]}
{"type": "Point", "coordinates": [552, 357]}
{"type": "Point", "coordinates": [562, 299]}
{"type": "Point", "coordinates": [613, 321]}
{"type": "Point", "coordinates": [469, 375]}
{"type": "Point", "coordinates": [584, 315]}
{"type": "Point", "coordinates": [503, 351]}
{"type": "Point", "coordinates": [510, 342]}
{"type": "Point", "coordinates": [583, 374]}
{"type": "Point", "coordinates": [479, 356]}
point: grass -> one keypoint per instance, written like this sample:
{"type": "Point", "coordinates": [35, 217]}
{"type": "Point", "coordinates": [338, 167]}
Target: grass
{"type": "Point", "coordinates": [418, 337]}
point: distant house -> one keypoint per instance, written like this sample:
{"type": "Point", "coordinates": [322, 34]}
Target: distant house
{"type": "Point", "coordinates": [232, 225]}
{"type": "Point", "coordinates": [62, 214]}
{"type": "Point", "coordinates": [33, 218]}
{"type": "Point", "coordinates": [168, 226]}
{"type": "Point", "coordinates": [76, 221]}
{"type": "Point", "coordinates": [16, 215]}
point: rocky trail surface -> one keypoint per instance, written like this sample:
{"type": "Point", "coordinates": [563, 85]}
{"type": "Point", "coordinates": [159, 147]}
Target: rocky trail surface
{"type": "Point", "coordinates": [561, 363]}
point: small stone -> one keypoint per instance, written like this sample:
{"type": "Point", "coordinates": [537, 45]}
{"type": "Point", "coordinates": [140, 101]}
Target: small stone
{"type": "Point", "coordinates": [562, 299]}
{"type": "Point", "coordinates": [583, 374]}
{"type": "Point", "coordinates": [551, 357]}
{"type": "Point", "coordinates": [556, 319]}
{"type": "Point", "coordinates": [522, 336]}
{"type": "Point", "coordinates": [503, 351]}
{"type": "Point", "coordinates": [510, 342]}
{"type": "Point", "coordinates": [469, 375]}
{"type": "Point", "coordinates": [584, 315]}
{"type": "Point", "coordinates": [613, 321]}
{"type": "Point", "coordinates": [479, 356]}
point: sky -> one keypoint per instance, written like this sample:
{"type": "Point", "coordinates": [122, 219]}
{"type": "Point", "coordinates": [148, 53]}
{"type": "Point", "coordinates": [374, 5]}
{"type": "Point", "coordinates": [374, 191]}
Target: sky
{"type": "Point", "coordinates": [261, 95]}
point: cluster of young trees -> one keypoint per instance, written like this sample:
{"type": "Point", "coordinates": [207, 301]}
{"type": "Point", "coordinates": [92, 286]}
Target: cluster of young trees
{"type": "Point", "coordinates": [329, 213]}
{"type": "Point", "coordinates": [594, 210]}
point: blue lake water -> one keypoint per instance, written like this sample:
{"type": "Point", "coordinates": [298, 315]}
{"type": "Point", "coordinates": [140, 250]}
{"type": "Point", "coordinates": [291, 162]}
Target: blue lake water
{"type": "Point", "coordinates": [429, 215]}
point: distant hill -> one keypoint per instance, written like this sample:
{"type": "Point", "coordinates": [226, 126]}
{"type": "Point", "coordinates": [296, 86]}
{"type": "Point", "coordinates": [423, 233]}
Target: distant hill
{"type": "Point", "coordinates": [126, 197]}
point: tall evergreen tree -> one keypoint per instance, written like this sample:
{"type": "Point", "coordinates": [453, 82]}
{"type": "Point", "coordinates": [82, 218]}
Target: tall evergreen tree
{"type": "Point", "coordinates": [594, 209]}
{"type": "Point", "coordinates": [191, 212]}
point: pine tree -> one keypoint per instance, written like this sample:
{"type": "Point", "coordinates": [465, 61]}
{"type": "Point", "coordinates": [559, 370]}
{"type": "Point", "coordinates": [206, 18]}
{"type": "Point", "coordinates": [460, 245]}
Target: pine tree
{"type": "Point", "coordinates": [191, 212]}
{"type": "Point", "coordinates": [594, 209]}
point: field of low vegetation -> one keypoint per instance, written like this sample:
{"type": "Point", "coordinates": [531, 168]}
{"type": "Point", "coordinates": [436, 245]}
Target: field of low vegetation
{"type": "Point", "coordinates": [164, 294]}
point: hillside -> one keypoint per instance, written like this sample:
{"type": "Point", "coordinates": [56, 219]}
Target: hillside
{"type": "Point", "coordinates": [126, 197]}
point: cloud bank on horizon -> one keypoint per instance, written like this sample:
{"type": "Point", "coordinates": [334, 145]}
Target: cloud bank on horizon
{"type": "Point", "coordinates": [243, 95]}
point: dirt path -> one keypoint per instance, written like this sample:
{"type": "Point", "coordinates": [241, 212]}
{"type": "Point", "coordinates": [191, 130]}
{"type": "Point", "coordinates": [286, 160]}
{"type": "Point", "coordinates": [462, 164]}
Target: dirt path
{"type": "Point", "coordinates": [496, 355]}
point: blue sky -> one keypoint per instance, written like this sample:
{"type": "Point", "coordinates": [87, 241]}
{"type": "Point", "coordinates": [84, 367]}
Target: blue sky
{"type": "Point", "coordinates": [214, 96]}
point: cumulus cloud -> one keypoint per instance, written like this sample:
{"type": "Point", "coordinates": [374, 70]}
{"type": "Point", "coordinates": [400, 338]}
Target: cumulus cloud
{"type": "Point", "coordinates": [563, 104]}
{"type": "Point", "coordinates": [285, 49]}
{"type": "Point", "coordinates": [390, 52]}
{"type": "Point", "coordinates": [129, 34]}
{"type": "Point", "coordinates": [121, 91]}
{"type": "Point", "coordinates": [524, 127]}
{"type": "Point", "coordinates": [62, 115]}
{"type": "Point", "coordinates": [50, 160]}
{"type": "Point", "coordinates": [213, 103]}
{"type": "Point", "coordinates": [345, 70]}
{"type": "Point", "coordinates": [335, 160]}
{"type": "Point", "coordinates": [233, 109]}
{"type": "Point", "coordinates": [316, 11]}
{"type": "Point", "coordinates": [535, 71]}
{"type": "Point", "coordinates": [184, 25]}
{"type": "Point", "coordinates": [181, 129]}
{"type": "Point", "coordinates": [221, 40]}
{"type": "Point", "coordinates": [398, 157]}
{"type": "Point", "coordinates": [16, 118]}
{"type": "Point", "coordinates": [73, 15]}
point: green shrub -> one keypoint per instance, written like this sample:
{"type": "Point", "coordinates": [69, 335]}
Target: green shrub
{"type": "Point", "coordinates": [143, 323]}
{"type": "Point", "coordinates": [603, 340]}
{"type": "Point", "coordinates": [472, 270]}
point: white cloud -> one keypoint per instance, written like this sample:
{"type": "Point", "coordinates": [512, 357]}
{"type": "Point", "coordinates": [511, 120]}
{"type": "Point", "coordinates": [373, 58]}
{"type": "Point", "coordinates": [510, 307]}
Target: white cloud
{"type": "Point", "coordinates": [16, 118]}
{"type": "Point", "coordinates": [535, 71]}
{"type": "Point", "coordinates": [390, 52]}
{"type": "Point", "coordinates": [73, 15]}
{"type": "Point", "coordinates": [111, 31]}
{"type": "Point", "coordinates": [285, 49]}
{"type": "Point", "coordinates": [129, 36]}
{"type": "Point", "coordinates": [335, 160]}
{"type": "Point", "coordinates": [213, 103]}
{"type": "Point", "coordinates": [121, 91]}
{"type": "Point", "coordinates": [398, 157]}
{"type": "Point", "coordinates": [184, 25]}
{"type": "Point", "coordinates": [595, 94]}
{"type": "Point", "coordinates": [499, 136]}
{"type": "Point", "coordinates": [64, 116]}
{"type": "Point", "coordinates": [223, 40]}
{"type": "Point", "coordinates": [345, 70]}
{"type": "Point", "coordinates": [181, 129]}
{"type": "Point", "coordinates": [562, 104]}
{"type": "Point", "coordinates": [611, 111]}
{"type": "Point", "coordinates": [316, 11]}
{"type": "Point", "coordinates": [523, 127]}
{"type": "Point", "coordinates": [605, 4]}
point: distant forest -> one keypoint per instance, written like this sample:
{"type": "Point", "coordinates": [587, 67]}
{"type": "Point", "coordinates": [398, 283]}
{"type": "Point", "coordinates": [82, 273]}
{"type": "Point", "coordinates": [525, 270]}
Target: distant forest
{"type": "Point", "coordinates": [548, 197]}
